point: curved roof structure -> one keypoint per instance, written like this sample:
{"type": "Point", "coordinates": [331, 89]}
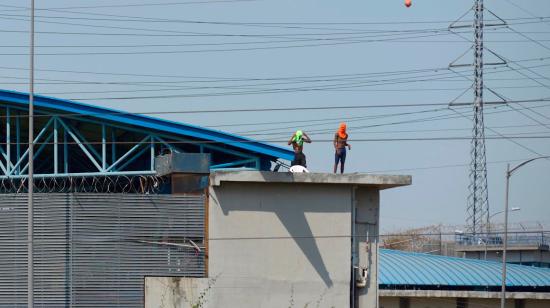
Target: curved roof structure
{"type": "Point", "coordinates": [105, 139]}
{"type": "Point", "coordinates": [419, 269]}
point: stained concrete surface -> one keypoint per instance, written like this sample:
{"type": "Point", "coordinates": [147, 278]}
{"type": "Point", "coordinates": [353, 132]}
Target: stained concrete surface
{"type": "Point", "coordinates": [286, 240]}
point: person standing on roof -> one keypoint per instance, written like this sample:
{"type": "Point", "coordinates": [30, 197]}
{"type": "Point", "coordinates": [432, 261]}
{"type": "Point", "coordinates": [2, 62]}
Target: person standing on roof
{"type": "Point", "coordinates": [340, 143]}
{"type": "Point", "coordinates": [297, 140]}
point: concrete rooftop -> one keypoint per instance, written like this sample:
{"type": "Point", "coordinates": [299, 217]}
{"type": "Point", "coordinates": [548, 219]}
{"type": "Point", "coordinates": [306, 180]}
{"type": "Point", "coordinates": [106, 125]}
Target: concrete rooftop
{"type": "Point", "coordinates": [359, 179]}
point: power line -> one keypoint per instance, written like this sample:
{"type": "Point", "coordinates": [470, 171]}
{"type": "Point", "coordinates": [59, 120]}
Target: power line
{"type": "Point", "coordinates": [149, 19]}
{"type": "Point", "coordinates": [339, 119]}
{"type": "Point", "coordinates": [220, 78]}
{"type": "Point", "coordinates": [249, 90]}
{"type": "Point", "coordinates": [150, 4]}
{"type": "Point", "coordinates": [352, 90]}
{"type": "Point", "coordinates": [532, 79]}
{"type": "Point", "coordinates": [418, 130]}
{"type": "Point", "coordinates": [324, 87]}
{"type": "Point", "coordinates": [187, 34]}
{"type": "Point", "coordinates": [245, 87]}
{"type": "Point", "coordinates": [359, 128]}
{"type": "Point", "coordinates": [13, 115]}
{"type": "Point", "coordinates": [136, 34]}
{"type": "Point", "coordinates": [244, 141]}
{"type": "Point", "coordinates": [530, 117]}
{"type": "Point", "coordinates": [346, 119]}
{"type": "Point", "coordinates": [192, 34]}
{"type": "Point", "coordinates": [522, 9]}
{"type": "Point", "coordinates": [351, 79]}
{"type": "Point", "coordinates": [201, 34]}
{"type": "Point", "coordinates": [511, 140]}
{"type": "Point", "coordinates": [444, 166]}
{"type": "Point", "coordinates": [364, 83]}
{"type": "Point", "coordinates": [258, 91]}
{"type": "Point", "coordinates": [295, 108]}
{"type": "Point", "coordinates": [379, 116]}
{"type": "Point", "coordinates": [225, 79]}
{"type": "Point", "coordinates": [404, 40]}
{"type": "Point", "coordinates": [530, 39]}
{"type": "Point", "coordinates": [398, 22]}
{"type": "Point", "coordinates": [378, 32]}
{"type": "Point", "coordinates": [301, 125]}
{"type": "Point", "coordinates": [133, 5]}
{"type": "Point", "coordinates": [339, 42]}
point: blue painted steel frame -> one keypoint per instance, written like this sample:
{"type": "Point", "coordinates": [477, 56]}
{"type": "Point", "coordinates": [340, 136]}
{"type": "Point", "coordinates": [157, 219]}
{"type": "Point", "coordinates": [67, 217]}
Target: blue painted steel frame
{"type": "Point", "coordinates": [238, 152]}
{"type": "Point", "coordinates": [150, 123]}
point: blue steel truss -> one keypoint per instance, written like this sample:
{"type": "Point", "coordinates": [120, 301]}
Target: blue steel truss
{"type": "Point", "coordinates": [73, 139]}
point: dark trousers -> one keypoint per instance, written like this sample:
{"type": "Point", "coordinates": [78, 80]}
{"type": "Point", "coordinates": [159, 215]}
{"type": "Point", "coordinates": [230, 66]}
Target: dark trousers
{"type": "Point", "coordinates": [299, 159]}
{"type": "Point", "coordinates": [340, 156]}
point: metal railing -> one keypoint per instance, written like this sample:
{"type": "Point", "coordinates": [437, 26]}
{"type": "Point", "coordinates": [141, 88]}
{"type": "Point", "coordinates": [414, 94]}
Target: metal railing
{"type": "Point", "coordinates": [518, 238]}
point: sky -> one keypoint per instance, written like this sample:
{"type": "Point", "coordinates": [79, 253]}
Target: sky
{"type": "Point", "coordinates": [173, 55]}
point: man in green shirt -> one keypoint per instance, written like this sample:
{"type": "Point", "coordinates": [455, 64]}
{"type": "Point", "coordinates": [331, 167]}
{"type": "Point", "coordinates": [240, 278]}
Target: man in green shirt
{"type": "Point", "coordinates": [297, 140]}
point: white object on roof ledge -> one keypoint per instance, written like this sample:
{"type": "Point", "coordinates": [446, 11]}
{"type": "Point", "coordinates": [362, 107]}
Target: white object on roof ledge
{"type": "Point", "coordinates": [298, 169]}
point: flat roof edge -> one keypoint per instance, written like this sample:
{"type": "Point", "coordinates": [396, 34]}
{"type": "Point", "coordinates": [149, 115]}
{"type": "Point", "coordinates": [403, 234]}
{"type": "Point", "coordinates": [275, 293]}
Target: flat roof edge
{"type": "Point", "coordinates": [357, 179]}
{"type": "Point", "coordinates": [469, 294]}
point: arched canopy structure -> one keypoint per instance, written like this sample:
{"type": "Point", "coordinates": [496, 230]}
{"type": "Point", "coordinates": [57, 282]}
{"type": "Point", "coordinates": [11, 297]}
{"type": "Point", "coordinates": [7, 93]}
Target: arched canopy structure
{"type": "Point", "coordinates": [76, 139]}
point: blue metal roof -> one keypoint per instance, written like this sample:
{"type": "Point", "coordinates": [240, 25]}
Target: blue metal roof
{"type": "Point", "coordinates": [151, 123]}
{"type": "Point", "coordinates": [407, 268]}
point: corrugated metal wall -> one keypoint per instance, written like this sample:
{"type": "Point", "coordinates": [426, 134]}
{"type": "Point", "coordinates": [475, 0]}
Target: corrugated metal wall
{"type": "Point", "coordinates": [93, 250]}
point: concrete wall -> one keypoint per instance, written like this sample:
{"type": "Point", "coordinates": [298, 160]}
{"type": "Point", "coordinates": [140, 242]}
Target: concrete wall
{"type": "Point", "coordinates": [180, 292]}
{"type": "Point", "coordinates": [366, 242]}
{"type": "Point", "coordinates": [177, 292]}
{"type": "Point", "coordinates": [274, 245]}
{"type": "Point", "coordinates": [281, 245]}
{"type": "Point", "coordinates": [285, 240]}
{"type": "Point", "coordinates": [449, 302]}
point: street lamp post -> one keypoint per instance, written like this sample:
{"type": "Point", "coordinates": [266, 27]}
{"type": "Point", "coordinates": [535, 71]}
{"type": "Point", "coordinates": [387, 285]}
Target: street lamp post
{"type": "Point", "coordinates": [509, 173]}
{"type": "Point", "coordinates": [499, 212]}
{"type": "Point", "coordinates": [30, 206]}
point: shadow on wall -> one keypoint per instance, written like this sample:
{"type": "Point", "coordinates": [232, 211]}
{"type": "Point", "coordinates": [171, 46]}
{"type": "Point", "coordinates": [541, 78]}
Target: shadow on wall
{"type": "Point", "coordinates": [290, 203]}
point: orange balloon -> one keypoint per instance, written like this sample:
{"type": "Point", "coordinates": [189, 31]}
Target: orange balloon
{"type": "Point", "coordinates": [408, 3]}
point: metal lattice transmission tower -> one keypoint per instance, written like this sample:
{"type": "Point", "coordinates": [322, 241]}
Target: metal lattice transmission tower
{"type": "Point", "coordinates": [478, 199]}
{"type": "Point", "coordinates": [477, 218]}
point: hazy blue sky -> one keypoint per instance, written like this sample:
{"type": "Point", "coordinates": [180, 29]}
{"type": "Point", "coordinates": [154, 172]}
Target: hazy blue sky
{"type": "Point", "coordinates": [263, 54]}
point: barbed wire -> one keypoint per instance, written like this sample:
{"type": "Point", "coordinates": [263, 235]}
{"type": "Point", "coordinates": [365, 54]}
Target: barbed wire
{"type": "Point", "coordinates": [138, 184]}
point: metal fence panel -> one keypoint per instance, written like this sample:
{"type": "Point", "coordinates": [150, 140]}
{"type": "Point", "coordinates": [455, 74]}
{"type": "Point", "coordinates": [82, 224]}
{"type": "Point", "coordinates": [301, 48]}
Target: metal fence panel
{"type": "Point", "coordinates": [93, 250]}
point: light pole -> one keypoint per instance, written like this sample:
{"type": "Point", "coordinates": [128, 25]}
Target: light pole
{"type": "Point", "coordinates": [30, 206]}
{"type": "Point", "coordinates": [509, 173]}
{"type": "Point", "coordinates": [511, 210]}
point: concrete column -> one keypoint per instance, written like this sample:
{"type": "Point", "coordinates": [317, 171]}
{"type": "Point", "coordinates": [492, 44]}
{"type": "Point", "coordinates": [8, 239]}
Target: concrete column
{"type": "Point", "coordinates": [366, 231]}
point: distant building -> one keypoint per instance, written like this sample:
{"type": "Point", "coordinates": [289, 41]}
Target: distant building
{"type": "Point", "coordinates": [524, 247]}
{"type": "Point", "coordinates": [417, 280]}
